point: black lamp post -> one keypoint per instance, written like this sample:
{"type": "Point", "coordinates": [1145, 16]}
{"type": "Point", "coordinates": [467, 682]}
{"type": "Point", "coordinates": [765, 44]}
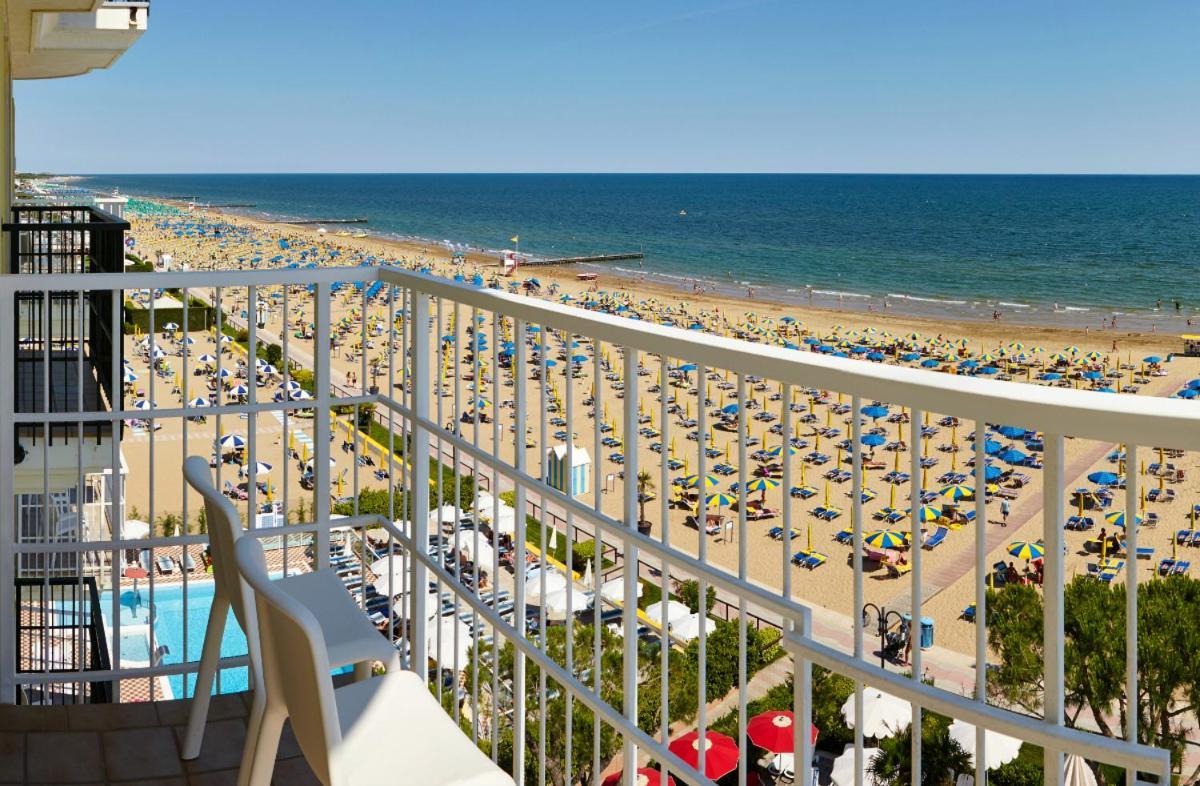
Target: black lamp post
{"type": "Point", "coordinates": [882, 618]}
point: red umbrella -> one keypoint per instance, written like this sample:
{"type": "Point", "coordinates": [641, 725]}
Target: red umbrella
{"type": "Point", "coordinates": [645, 777]}
{"type": "Point", "coordinates": [720, 753]}
{"type": "Point", "coordinates": [135, 572]}
{"type": "Point", "coordinates": [773, 731]}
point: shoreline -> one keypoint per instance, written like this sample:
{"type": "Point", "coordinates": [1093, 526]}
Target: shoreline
{"type": "Point", "coordinates": [859, 307]}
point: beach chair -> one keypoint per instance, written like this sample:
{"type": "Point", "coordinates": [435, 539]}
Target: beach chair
{"type": "Point", "coordinates": [803, 492]}
{"type": "Point", "coordinates": [1165, 567]}
{"type": "Point", "coordinates": [845, 537]}
{"type": "Point", "coordinates": [1180, 567]}
{"type": "Point", "coordinates": [338, 728]}
{"type": "Point", "coordinates": [809, 559]}
{"type": "Point", "coordinates": [968, 613]}
{"type": "Point", "coordinates": [775, 532]}
{"type": "Point", "coordinates": [898, 571]}
{"type": "Point", "coordinates": [165, 565]}
{"type": "Point", "coordinates": [936, 539]}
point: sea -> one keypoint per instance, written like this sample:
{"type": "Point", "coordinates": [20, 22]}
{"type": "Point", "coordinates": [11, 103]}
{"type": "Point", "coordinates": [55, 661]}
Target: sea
{"type": "Point", "coordinates": [1070, 250]}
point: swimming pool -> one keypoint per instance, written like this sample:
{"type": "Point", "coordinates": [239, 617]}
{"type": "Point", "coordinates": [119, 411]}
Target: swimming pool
{"type": "Point", "coordinates": [169, 633]}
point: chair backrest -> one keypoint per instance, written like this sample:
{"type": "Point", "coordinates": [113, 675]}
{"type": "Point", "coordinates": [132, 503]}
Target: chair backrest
{"type": "Point", "coordinates": [224, 529]}
{"type": "Point", "coordinates": [295, 661]}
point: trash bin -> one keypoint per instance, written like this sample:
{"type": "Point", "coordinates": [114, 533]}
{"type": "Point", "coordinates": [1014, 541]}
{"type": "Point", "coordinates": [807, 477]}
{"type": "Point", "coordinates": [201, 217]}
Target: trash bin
{"type": "Point", "coordinates": [926, 632]}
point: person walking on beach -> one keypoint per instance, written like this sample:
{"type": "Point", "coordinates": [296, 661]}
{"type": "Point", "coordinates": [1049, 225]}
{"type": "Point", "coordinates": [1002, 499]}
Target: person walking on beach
{"type": "Point", "coordinates": [1005, 509]}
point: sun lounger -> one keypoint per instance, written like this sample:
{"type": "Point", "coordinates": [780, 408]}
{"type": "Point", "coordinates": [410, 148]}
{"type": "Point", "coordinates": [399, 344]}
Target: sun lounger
{"type": "Point", "coordinates": [968, 613]}
{"type": "Point", "coordinates": [803, 492]}
{"type": "Point", "coordinates": [844, 537]}
{"type": "Point", "coordinates": [936, 539]}
{"type": "Point", "coordinates": [165, 564]}
{"type": "Point", "coordinates": [1080, 523]}
{"type": "Point", "coordinates": [897, 571]}
{"type": "Point", "coordinates": [809, 559]}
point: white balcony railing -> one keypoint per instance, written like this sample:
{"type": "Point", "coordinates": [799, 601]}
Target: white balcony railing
{"type": "Point", "coordinates": [441, 349]}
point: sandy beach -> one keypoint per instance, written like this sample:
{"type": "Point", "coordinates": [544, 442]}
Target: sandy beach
{"type": "Point", "coordinates": [949, 569]}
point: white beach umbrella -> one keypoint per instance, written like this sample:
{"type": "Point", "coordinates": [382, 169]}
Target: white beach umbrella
{"type": "Point", "coordinates": [291, 384]}
{"type": "Point", "coordinates": [843, 767]}
{"type": "Point", "coordinates": [199, 401]}
{"type": "Point", "coordinates": [189, 340]}
{"type": "Point", "coordinates": [390, 579]}
{"type": "Point", "coordinates": [486, 556]}
{"type": "Point", "coordinates": [556, 602]}
{"type": "Point", "coordinates": [143, 404]}
{"type": "Point", "coordinates": [158, 353]}
{"type": "Point", "coordinates": [206, 358]}
{"type": "Point", "coordinates": [268, 369]}
{"type": "Point", "coordinates": [1076, 772]}
{"type": "Point", "coordinates": [129, 376]}
{"type": "Point", "coordinates": [688, 628]}
{"type": "Point", "coordinates": [1000, 748]}
{"type": "Point", "coordinates": [232, 441]}
{"type": "Point", "coordinates": [675, 611]}
{"type": "Point", "coordinates": [239, 390]}
{"type": "Point", "coordinates": [224, 373]}
{"type": "Point", "coordinates": [555, 582]}
{"type": "Point", "coordinates": [135, 530]}
{"type": "Point", "coordinates": [453, 647]}
{"type": "Point", "coordinates": [883, 713]}
{"type": "Point", "coordinates": [300, 395]}
{"type": "Point", "coordinates": [613, 590]}
{"type": "Point", "coordinates": [226, 339]}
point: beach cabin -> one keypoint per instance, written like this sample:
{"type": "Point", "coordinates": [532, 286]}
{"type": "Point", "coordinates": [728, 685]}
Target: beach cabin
{"type": "Point", "coordinates": [1191, 345]}
{"type": "Point", "coordinates": [580, 471]}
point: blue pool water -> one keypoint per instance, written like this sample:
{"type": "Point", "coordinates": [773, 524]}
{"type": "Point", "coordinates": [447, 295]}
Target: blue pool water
{"type": "Point", "coordinates": [169, 628]}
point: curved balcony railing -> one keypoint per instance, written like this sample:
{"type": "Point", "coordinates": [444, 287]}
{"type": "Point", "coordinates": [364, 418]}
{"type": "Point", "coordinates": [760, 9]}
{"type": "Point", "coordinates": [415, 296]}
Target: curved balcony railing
{"type": "Point", "coordinates": [408, 409]}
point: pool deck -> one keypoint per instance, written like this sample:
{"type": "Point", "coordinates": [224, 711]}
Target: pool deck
{"type": "Point", "coordinates": [132, 743]}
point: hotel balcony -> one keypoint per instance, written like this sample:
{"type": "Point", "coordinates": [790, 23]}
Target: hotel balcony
{"type": "Point", "coordinates": [57, 38]}
{"type": "Point", "coordinates": [412, 452]}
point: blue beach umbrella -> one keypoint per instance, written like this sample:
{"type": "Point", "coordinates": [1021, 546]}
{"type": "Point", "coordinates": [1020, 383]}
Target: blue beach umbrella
{"type": "Point", "coordinates": [875, 412]}
{"type": "Point", "coordinates": [873, 440]}
{"type": "Point", "coordinates": [1104, 478]}
{"type": "Point", "coordinates": [1012, 432]}
{"type": "Point", "coordinates": [1013, 456]}
{"type": "Point", "coordinates": [930, 363]}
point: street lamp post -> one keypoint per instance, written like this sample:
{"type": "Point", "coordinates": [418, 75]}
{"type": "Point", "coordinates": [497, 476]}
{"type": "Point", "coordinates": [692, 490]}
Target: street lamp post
{"type": "Point", "coordinates": [882, 618]}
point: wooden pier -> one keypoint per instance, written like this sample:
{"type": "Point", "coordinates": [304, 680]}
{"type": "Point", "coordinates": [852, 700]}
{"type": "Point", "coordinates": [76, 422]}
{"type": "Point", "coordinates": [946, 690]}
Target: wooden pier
{"type": "Point", "coordinates": [578, 260]}
{"type": "Point", "coordinates": [328, 221]}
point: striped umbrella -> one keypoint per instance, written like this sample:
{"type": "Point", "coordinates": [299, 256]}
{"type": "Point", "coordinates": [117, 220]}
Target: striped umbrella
{"type": "Point", "coordinates": [1023, 549]}
{"type": "Point", "coordinates": [692, 481]}
{"type": "Point", "coordinates": [777, 451]}
{"type": "Point", "coordinates": [957, 491]}
{"type": "Point", "coordinates": [886, 539]}
{"type": "Point", "coordinates": [720, 499]}
{"type": "Point", "coordinates": [762, 484]}
{"type": "Point", "coordinates": [232, 441]}
{"type": "Point", "coordinates": [1117, 519]}
{"type": "Point", "coordinates": [929, 513]}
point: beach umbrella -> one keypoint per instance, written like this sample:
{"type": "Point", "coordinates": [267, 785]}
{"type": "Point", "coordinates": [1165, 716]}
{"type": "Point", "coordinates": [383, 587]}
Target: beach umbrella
{"type": "Point", "coordinates": [873, 440]}
{"type": "Point", "coordinates": [1104, 478]}
{"type": "Point", "coordinates": [1023, 549]}
{"type": "Point", "coordinates": [1117, 519]}
{"type": "Point", "coordinates": [1000, 748]}
{"type": "Point", "coordinates": [957, 491]}
{"type": "Point", "coordinates": [843, 767]}
{"type": "Point", "coordinates": [1012, 456]}
{"type": "Point", "coordinates": [206, 358]}
{"type": "Point", "coordinates": [143, 404]}
{"type": "Point", "coordinates": [928, 513]}
{"type": "Point", "coordinates": [762, 484]}
{"type": "Point", "coordinates": [991, 473]}
{"type": "Point", "coordinates": [875, 412]}
{"type": "Point", "coordinates": [720, 753]}
{"type": "Point", "coordinates": [719, 500]}
{"type": "Point", "coordinates": [555, 582]}
{"type": "Point", "coordinates": [613, 590]}
{"type": "Point", "coordinates": [199, 402]}
{"type": "Point", "coordinates": [1076, 772]}
{"type": "Point", "coordinates": [645, 776]}
{"type": "Point", "coordinates": [224, 373]}
{"type": "Point", "coordinates": [260, 468]}
{"type": "Point", "coordinates": [232, 441]}
{"type": "Point", "coordinates": [883, 713]}
{"type": "Point", "coordinates": [239, 390]}
{"type": "Point", "coordinates": [777, 451]}
{"type": "Point", "coordinates": [886, 539]}
{"type": "Point", "coordinates": [688, 628]}
{"type": "Point", "coordinates": [674, 610]}
{"type": "Point", "coordinates": [129, 377]}
{"type": "Point", "coordinates": [1012, 432]}
{"type": "Point", "coordinates": [555, 603]}
{"type": "Point", "coordinates": [773, 731]}
{"type": "Point", "coordinates": [135, 530]}
{"type": "Point", "coordinates": [692, 481]}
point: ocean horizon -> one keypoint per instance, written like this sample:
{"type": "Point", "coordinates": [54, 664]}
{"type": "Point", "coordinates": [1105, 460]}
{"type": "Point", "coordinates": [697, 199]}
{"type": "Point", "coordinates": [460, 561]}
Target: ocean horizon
{"type": "Point", "coordinates": [1055, 249]}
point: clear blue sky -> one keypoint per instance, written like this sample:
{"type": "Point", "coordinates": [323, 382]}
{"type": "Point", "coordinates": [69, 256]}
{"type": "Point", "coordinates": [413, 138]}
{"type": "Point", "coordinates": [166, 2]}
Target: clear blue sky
{"type": "Point", "coordinates": [662, 86]}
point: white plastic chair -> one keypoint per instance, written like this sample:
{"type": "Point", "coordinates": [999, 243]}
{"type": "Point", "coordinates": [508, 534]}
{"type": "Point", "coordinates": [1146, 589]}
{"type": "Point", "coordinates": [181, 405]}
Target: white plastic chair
{"type": "Point", "coordinates": [385, 730]}
{"type": "Point", "coordinates": [352, 638]}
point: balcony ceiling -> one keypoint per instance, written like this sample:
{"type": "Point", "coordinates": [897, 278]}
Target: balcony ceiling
{"type": "Point", "coordinates": [57, 38]}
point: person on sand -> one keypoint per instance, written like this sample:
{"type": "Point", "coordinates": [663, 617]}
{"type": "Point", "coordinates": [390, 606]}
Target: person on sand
{"type": "Point", "coordinates": [1005, 509]}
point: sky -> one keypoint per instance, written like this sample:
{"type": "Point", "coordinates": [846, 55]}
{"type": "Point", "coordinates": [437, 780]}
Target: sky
{"type": "Point", "coordinates": [633, 86]}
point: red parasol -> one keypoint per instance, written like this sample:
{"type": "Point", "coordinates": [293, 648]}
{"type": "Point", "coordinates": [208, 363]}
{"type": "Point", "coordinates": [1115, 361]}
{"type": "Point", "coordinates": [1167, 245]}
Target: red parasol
{"type": "Point", "coordinates": [645, 777]}
{"type": "Point", "coordinates": [773, 731]}
{"type": "Point", "coordinates": [720, 753]}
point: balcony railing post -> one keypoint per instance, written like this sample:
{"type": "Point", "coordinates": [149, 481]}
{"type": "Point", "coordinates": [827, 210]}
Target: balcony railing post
{"type": "Point", "coordinates": [629, 615]}
{"type": "Point", "coordinates": [8, 517]}
{"type": "Point", "coordinates": [422, 380]}
{"type": "Point", "coordinates": [321, 479]}
{"type": "Point", "coordinates": [802, 702]}
{"type": "Point", "coordinates": [1052, 631]}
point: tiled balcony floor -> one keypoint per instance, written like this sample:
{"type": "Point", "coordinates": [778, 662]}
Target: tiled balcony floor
{"type": "Point", "coordinates": [136, 743]}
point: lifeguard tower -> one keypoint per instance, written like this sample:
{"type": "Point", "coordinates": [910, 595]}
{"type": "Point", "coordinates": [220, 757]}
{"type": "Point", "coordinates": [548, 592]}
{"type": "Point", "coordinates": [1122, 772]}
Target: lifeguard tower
{"type": "Point", "coordinates": [557, 470]}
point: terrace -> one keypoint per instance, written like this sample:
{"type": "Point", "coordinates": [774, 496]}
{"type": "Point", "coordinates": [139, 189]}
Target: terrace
{"type": "Point", "coordinates": [468, 593]}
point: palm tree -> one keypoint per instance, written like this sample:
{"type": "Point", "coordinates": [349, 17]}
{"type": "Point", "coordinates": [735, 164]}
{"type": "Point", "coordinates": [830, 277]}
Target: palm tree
{"type": "Point", "coordinates": [645, 482]}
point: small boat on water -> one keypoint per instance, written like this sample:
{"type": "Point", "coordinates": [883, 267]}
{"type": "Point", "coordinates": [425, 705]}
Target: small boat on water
{"type": "Point", "coordinates": [682, 212]}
